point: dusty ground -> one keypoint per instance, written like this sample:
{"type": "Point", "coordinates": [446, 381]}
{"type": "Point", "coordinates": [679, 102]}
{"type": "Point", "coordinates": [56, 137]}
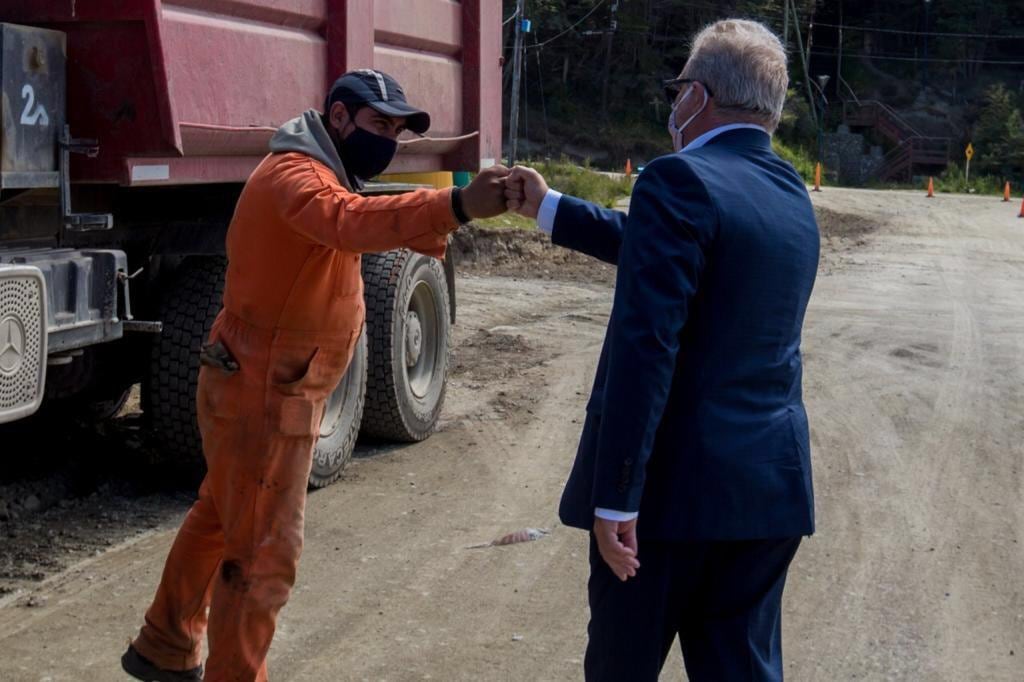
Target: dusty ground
{"type": "Point", "coordinates": [914, 351]}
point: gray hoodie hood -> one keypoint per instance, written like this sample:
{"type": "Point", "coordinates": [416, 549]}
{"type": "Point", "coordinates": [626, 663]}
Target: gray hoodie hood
{"type": "Point", "coordinates": [306, 134]}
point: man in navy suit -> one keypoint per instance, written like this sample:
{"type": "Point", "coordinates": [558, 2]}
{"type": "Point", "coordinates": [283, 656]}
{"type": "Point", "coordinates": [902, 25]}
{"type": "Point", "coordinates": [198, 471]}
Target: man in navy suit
{"type": "Point", "coordinates": [693, 471]}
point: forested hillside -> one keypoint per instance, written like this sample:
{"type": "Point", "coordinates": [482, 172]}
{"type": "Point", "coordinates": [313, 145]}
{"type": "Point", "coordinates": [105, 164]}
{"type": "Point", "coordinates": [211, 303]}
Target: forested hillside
{"type": "Point", "coordinates": [590, 84]}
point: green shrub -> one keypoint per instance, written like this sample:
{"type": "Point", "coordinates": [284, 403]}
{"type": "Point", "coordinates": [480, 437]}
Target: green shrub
{"type": "Point", "coordinates": [797, 123]}
{"type": "Point", "coordinates": [952, 181]}
{"type": "Point", "coordinates": [801, 159]}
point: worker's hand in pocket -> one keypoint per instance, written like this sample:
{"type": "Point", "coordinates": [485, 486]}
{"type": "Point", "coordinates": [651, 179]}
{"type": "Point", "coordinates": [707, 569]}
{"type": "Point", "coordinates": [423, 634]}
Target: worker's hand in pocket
{"type": "Point", "coordinates": [485, 196]}
{"type": "Point", "coordinates": [525, 189]}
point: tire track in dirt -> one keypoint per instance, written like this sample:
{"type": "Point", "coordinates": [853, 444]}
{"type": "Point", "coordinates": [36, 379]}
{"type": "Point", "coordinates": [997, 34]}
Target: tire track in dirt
{"type": "Point", "coordinates": [922, 583]}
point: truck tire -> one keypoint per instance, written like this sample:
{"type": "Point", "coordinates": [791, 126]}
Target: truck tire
{"type": "Point", "coordinates": [408, 330]}
{"type": "Point", "coordinates": [339, 427]}
{"type": "Point", "coordinates": [188, 307]}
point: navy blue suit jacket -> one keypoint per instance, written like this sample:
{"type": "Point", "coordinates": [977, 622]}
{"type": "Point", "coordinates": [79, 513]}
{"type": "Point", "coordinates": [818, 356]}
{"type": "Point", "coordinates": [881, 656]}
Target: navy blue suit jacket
{"type": "Point", "coordinates": [696, 418]}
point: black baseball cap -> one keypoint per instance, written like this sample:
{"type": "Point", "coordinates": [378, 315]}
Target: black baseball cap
{"type": "Point", "coordinates": [381, 92]}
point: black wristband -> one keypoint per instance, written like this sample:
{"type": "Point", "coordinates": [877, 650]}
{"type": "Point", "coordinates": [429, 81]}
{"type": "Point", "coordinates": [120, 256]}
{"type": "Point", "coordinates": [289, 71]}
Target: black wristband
{"type": "Point", "coordinates": [460, 214]}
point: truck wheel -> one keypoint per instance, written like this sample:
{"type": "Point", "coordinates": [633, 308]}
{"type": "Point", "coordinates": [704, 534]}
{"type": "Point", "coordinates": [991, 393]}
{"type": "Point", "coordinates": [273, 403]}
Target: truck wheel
{"type": "Point", "coordinates": [340, 425]}
{"type": "Point", "coordinates": [408, 330]}
{"type": "Point", "coordinates": [188, 307]}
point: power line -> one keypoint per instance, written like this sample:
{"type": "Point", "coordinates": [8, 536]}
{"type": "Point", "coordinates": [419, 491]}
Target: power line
{"type": "Point", "coordinates": [711, 7]}
{"type": "Point", "coordinates": [869, 29]}
{"type": "Point", "coordinates": [763, 15]}
{"type": "Point", "coordinates": [582, 19]}
{"type": "Point", "coordinates": [898, 58]}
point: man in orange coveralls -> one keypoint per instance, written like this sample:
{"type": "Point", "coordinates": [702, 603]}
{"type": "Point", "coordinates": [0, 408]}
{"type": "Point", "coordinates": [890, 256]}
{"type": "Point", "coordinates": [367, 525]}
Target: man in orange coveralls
{"type": "Point", "coordinates": [293, 311]}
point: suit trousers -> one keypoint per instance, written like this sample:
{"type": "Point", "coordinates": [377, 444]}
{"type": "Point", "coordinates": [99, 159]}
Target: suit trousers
{"type": "Point", "coordinates": [722, 599]}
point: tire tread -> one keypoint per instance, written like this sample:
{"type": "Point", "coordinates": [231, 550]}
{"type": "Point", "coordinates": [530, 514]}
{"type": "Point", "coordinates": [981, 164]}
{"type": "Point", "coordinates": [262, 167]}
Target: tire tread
{"type": "Point", "coordinates": [382, 416]}
{"type": "Point", "coordinates": [188, 308]}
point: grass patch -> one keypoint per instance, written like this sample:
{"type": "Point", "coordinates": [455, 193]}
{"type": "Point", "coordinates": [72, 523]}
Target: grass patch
{"type": "Point", "coordinates": [507, 221]}
{"type": "Point", "coordinates": [583, 182]}
{"type": "Point", "coordinates": [799, 157]}
{"type": "Point", "coordinates": [952, 181]}
{"type": "Point", "coordinates": [579, 181]}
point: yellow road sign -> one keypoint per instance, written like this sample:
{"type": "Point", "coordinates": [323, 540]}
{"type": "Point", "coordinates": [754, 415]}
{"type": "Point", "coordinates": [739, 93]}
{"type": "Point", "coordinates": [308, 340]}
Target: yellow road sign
{"type": "Point", "coordinates": [969, 152]}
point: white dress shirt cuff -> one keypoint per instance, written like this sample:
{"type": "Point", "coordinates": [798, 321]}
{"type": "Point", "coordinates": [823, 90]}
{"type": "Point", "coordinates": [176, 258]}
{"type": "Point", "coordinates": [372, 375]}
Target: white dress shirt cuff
{"type": "Point", "coordinates": [612, 515]}
{"type": "Point", "coordinates": [548, 209]}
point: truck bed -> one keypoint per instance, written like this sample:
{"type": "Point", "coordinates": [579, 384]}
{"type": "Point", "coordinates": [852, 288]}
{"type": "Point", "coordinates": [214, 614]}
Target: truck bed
{"type": "Point", "coordinates": [190, 91]}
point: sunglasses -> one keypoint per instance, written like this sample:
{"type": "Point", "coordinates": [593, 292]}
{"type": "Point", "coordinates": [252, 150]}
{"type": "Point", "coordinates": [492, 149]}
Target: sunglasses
{"type": "Point", "coordinates": [673, 87]}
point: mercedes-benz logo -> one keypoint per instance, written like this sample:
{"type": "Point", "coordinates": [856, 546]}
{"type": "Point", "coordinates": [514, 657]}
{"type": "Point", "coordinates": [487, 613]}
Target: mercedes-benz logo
{"type": "Point", "coordinates": [12, 344]}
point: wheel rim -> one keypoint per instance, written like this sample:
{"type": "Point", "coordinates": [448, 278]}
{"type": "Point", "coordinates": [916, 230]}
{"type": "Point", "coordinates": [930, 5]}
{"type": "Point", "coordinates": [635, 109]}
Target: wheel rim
{"type": "Point", "coordinates": [335, 407]}
{"type": "Point", "coordinates": [420, 340]}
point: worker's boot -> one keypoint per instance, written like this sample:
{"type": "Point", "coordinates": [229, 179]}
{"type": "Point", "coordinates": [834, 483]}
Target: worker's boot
{"type": "Point", "coordinates": [141, 668]}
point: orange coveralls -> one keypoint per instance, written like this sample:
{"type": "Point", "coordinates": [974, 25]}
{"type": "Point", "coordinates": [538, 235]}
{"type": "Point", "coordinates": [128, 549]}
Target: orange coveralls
{"type": "Point", "coordinates": [293, 311]}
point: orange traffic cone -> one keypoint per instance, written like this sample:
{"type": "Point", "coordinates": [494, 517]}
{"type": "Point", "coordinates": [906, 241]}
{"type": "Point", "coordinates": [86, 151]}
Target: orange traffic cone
{"type": "Point", "coordinates": [629, 168]}
{"type": "Point", "coordinates": [1021, 215]}
{"type": "Point", "coordinates": [1006, 191]}
{"type": "Point", "coordinates": [817, 177]}
{"type": "Point", "coordinates": [931, 188]}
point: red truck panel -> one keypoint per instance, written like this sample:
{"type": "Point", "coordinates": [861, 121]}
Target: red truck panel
{"type": "Point", "coordinates": [189, 91]}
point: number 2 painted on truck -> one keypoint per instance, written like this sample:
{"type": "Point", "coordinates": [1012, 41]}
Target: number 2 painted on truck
{"type": "Point", "coordinates": [29, 117]}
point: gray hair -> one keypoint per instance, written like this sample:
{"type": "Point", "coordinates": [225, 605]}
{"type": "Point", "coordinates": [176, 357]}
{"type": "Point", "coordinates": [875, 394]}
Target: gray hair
{"type": "Point", "coordinates": [744, 65]}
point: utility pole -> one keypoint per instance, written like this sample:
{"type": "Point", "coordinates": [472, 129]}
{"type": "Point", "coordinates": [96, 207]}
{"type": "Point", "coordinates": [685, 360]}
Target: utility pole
{"type": "Point", "coordinates": [924, 79]}
{"type": "Point", "coordinates": [785, 28]}
{"type": "Point", "coordinates": [839, 59]}
{"type": "Point", "coordinates": [810, 31]}
{"type": "Point", "coordinates": [517, 72]}
{"type": "Point", "coordinates": [608, 58]}
{"type": "Point", "coordinates": [803, 60]}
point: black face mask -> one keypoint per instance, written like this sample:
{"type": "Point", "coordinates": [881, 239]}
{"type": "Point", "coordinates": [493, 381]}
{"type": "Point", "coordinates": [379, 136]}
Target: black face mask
{"type": "Point", "coordinates": [366, 154]}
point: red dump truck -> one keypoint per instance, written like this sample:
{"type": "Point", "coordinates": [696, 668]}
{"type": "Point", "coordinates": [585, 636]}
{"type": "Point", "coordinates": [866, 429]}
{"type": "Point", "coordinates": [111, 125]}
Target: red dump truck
{"type": "Point", "coordinates": [128, 129]}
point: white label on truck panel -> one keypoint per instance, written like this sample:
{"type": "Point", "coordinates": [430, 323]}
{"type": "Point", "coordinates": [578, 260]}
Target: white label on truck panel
{"type": "Point", "coordinates": [151, 173]}
{"type": "Point", "coordinates": [33, 115]}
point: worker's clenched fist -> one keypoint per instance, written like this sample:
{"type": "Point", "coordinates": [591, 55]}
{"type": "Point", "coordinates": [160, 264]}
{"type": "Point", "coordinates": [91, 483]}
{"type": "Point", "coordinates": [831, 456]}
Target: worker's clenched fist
{"type": "Point", "coordinates": [485, 196]}
{"type": "Point", "coordinates": [525, 189]}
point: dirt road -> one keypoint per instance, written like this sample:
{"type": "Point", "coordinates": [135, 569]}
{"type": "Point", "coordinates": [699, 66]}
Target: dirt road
{"type": "Point", "coordinates": [914, 351]}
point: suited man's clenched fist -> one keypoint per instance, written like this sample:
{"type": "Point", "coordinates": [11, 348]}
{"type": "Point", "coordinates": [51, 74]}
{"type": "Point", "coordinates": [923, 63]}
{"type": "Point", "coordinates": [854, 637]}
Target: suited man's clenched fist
{"type": "Point", "coordinates": [525, 189]}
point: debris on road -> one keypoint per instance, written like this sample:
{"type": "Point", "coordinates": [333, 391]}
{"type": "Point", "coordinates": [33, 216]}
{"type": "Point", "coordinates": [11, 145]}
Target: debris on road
{"type": "Point", "coordinates": [523, 535]}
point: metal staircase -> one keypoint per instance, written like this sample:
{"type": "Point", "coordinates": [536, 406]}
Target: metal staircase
{"type": "Point", "coordinates": [911, 151]}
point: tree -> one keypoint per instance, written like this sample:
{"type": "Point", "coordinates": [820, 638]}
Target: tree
{"type": "Point", "coordinates": [999, 134]}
